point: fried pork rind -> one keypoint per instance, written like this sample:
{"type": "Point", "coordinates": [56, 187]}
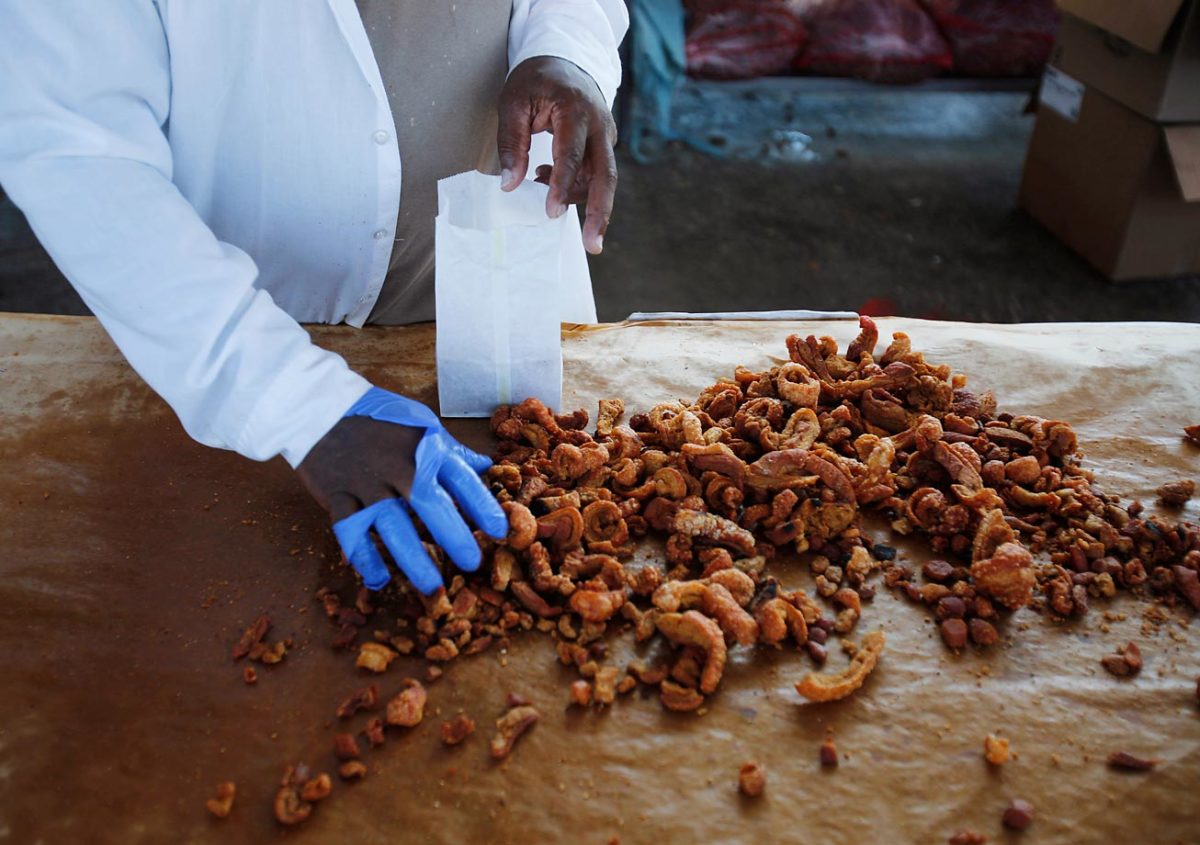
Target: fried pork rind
{"type": "Point", "coordinates": [784, 469]}
{"type": "Point", "coordinates": [510, 727]}
{"type": "Point", "coordinates": [864, 344]}
{"type": "Point", "coordinates": [603, 521]}
{"type": "Point", "coordinates": [222, 804]}
{"type": "Point", "coordinates": [457, 729]}
{"type": "Point", "coordinates": [1007, 576]}
{"type": "Point", "coordinates": [713, 529]}
{"type": "Point", "coordinates": [777, 618]}
{"type": "Point", "coordinates": [610, 412]}
{"type": "Point", "coordinates": [692, 628]}
{"type": "Point", "coordinates": [596, 605]}
{"type": "Point", "coordinates": [877, 481]}
{"type": "Point", "coordinates": [374, 657]}
{"type": "Point", "coordinates": [795, 384]}
{"type": "Point", "coordinates": [827, 467]}
{"type": "Point", "coordinates": [715, 457]}
{"type": "Point", "coordinates": [785, 458]}
{"type": "Point", "coordinates": [824, 686]}
{"type": "Point", "coordinates": [604, 688]}
{"type": "Point", "coordinates": [736, 581]}
{"type": "Point", "coordinates": [993, 532]}
{"type": "Point", "coordinates": [1177, 493]}
{"type": "Point", "coordinates": [752, 779]}
{"type": "Point", "coordinates": [738, 625]}
{"type": "Point", "coordinates": [561, 528]}
{"type": "Point", "coordinates": [674, 595]}
{"type": "Point", "coordinates": [364, 699]}
{"type": "Point", "coordinates": [581, 693]}
{"type": "Point", "coordinates": [316, 788]}
{"type": "Point", "coordinates": [298, 791]}
{"type": "Point", "coordinates": [541, 572]}
{"type": "Point", "coordinates": [532, 602]}
{"type": "Point", "coordinates": [522, 527]}
{"type": "Point", "coordinates": [345, 746]}
{"type": "Point", "coordinates": [251, 637]}
{"type": "Point", "coordinates": [995, 750]}
{"type": "Point", "coordinates": [678, 697]}
{"type": "Point", "coordinates": [407, 708]}
{"type": "Point", "coordinates": [1002, 568]}
{"type": "Point", "coordinates": [289, 807]}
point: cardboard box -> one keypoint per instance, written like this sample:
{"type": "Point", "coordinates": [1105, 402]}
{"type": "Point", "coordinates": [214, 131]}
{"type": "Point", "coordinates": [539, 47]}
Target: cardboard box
{"type": "Point", "coordinates": [1145, 54]}
{"type": "Point", "coordinates": [1119, 189]}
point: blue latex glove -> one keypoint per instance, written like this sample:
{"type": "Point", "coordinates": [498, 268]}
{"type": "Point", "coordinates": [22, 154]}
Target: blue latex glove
{"type": "Point", "coordinates": [446, 472]}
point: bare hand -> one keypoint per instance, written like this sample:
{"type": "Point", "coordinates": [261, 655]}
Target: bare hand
{"type": "Point", "coordinates": [546, 93]}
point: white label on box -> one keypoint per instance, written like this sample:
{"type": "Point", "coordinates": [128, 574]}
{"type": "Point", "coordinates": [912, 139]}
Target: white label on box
{"type": "Point", "coordinates": [1062, 93]}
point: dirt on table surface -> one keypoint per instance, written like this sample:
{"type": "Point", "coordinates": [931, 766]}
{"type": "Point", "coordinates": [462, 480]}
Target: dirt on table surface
{"type": "Point", "coordinates": [133, 559]}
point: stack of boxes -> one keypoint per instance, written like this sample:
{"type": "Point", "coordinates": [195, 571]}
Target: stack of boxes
{"type": "Point", "coordinates": [1114, 163]}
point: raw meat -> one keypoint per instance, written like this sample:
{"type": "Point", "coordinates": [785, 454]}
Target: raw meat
{"type": "Point", "coordinates": [743, 39]}
{"type": "Point", "coordinates": [997, 37]}
{"type": "Point", "coordinates": [877, 40]}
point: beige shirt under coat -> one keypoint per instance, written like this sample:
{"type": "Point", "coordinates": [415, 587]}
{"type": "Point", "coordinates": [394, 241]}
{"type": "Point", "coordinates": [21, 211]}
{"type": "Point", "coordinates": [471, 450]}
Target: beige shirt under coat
{"type": "Point", "coordinates": [443, 65]}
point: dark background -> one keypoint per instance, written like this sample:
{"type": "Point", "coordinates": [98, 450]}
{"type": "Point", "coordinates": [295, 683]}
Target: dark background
{"type": "Point", "coordinates": [899, 202]}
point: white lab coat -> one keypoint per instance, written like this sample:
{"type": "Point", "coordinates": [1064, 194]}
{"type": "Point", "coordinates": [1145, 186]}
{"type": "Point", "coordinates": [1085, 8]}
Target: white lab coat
{"type": "Point", "coordinates": [209, 172]}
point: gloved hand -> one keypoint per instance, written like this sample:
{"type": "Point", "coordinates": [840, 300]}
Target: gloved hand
{"type": "Point", "coordinates": [388, 444]}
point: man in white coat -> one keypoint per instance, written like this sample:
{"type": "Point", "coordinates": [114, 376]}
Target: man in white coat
{"type": "Point", "coordinates": [210, 173]}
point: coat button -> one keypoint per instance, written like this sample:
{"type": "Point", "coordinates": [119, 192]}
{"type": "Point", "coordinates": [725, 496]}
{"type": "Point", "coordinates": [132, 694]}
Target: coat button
{"type": "Point", "coordinates": [381, 137]}
{"type": "Point", "coordinates": [380, 234]}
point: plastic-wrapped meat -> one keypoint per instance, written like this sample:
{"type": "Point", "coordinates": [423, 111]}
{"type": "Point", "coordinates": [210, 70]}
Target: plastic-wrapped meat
{"type": "Point", "coordinates": [877, 40]}
{"type": "Point", "coordinates": [742, 39]}
{"type": "Point", "coordinates": [997, 37]}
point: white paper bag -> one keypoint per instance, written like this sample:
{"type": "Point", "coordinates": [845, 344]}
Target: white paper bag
{"type": "Point", "coordinates": [506, 276]}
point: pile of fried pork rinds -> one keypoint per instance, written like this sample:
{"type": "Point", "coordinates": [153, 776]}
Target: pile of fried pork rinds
{"type": "Point", "coordinates": [786, 460]}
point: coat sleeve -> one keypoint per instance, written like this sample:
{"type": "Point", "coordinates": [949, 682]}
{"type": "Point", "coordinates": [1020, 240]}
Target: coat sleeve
{"type": "Point", "coordinates": [585, 32]}
{"type": "Point", "coordinates": [84, 155]}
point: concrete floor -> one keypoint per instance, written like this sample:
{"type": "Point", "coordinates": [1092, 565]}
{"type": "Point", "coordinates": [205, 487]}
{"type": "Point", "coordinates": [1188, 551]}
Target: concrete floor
{"type": "Point", "coordinates": [889, 201]}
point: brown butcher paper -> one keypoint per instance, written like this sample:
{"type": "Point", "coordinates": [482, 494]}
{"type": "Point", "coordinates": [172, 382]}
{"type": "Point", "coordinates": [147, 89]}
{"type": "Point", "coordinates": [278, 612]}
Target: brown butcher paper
{"type": "Point", "coordinates": [131, 559]}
